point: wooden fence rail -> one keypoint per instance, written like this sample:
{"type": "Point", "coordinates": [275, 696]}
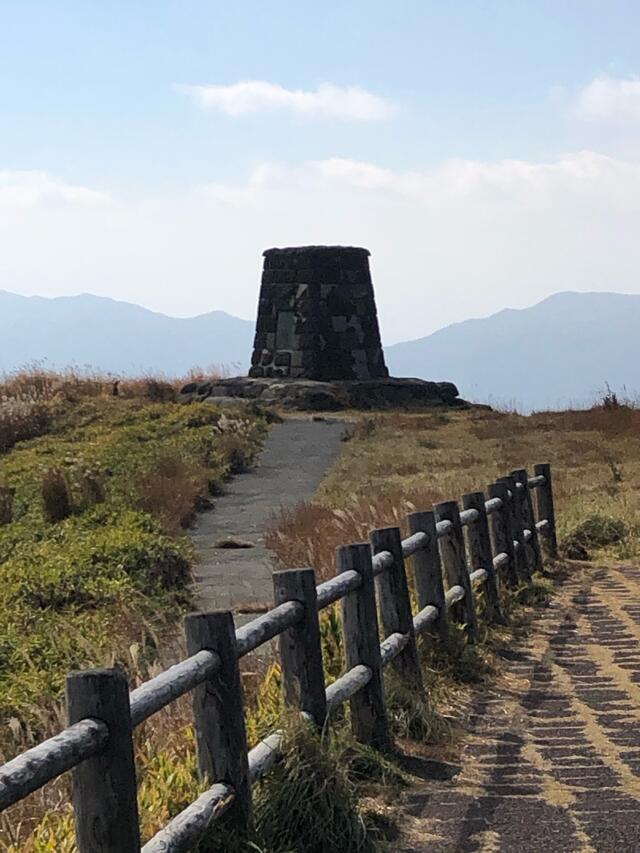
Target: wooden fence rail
{"type": "Point", "coordinates": [493, 543]}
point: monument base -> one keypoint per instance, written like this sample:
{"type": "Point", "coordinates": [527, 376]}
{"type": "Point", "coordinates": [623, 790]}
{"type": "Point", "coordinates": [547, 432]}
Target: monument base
{"type": "Point", "coordinates": [312, 395]}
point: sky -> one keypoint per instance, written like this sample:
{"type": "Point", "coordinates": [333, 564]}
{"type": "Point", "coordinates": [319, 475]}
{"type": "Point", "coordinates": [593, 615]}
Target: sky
{"type": "Point", "coordinates": [487, 153]}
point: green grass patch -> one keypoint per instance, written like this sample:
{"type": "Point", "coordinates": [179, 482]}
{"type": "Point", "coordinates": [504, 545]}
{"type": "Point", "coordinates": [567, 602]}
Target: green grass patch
{"type": "Point", "coordinates": [93, 557]}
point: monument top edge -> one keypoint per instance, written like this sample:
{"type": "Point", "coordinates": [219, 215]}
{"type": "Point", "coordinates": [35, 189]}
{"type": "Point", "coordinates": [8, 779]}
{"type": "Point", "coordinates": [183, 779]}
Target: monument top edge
{"type": "Point", "coordinates": [317, 250]}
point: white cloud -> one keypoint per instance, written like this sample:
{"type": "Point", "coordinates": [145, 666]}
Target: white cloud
{"type": "Point", "coordinates": [24, 189]}
{"type": "Point", "coordinates": [584, 175]}
{"type": "Point", "coordinates": [259, 96]}
{"type": "Point", "coordinates": [609, 97]}
{"type": "Point", "coordinates": [465, 238]}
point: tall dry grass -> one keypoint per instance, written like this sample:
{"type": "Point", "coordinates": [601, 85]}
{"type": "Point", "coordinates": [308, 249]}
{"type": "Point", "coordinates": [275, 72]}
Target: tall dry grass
{"type": "Point", "coordinates": [395, 463]}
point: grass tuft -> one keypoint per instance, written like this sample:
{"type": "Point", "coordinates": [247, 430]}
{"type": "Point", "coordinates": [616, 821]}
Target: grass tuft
{"type": "Point", "coordinates": [595, 531]}
{"type": "Point", "coordinates": [57, 502]}
{"type": "Point", "coordinates": [308, 802]}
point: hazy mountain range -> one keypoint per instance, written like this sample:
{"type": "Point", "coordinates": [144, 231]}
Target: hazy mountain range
{"type": "Point", "coordinates": [562, 350]}
{"type": "Point", "coordinates": [559, 352]}
{"type": "Point", "coordinates": [117, 337]}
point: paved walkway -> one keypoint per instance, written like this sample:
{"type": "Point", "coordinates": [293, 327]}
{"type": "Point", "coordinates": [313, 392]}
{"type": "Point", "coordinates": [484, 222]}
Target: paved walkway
{"type": "Point", "coordinates": [294, 460]}
{"type": "Point", "coordinates": [552, 762]}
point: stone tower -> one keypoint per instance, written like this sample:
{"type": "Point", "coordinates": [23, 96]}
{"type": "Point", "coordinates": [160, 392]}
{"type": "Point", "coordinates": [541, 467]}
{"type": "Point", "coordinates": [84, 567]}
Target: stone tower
{"type": "Point", "coordinates": [317, 316]}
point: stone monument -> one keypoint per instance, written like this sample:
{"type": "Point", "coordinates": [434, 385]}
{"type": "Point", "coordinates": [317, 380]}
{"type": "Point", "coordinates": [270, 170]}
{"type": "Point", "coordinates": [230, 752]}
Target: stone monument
{"type": "Point", "coordinates": [317, 343]}
{"type": "Point", "coordinates": [317, 316]}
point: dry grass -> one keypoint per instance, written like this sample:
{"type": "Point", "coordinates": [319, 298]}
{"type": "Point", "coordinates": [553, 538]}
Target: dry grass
{"type": "Point", "coordinates": [38, 383]}
{"type": "Point", "coordinates": [172, 491]}
{"type": "Point", "coordinates": [395, 463]}
{"type": "Point", "coordinates": [56, 495]}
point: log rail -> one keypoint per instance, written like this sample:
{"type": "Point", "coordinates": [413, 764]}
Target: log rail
{"type": "Point", "coordinates": [493, 543]}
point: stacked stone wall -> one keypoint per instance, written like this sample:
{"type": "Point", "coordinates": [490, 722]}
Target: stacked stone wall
{"type": "Point", "coordinates": [317, 317]}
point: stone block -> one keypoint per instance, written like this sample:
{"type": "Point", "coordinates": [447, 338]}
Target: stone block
{"type": "Point", "coordinates": [266, 323]}
{"type": "Point", "coordinates": [284, 277]}
{"type": "Point", "coordinates": [305, 342]}
{"type": "Point", "coordinates": [302, 358]}
{"type": "Point", "coordinates": [266, 357]}
{"type": "Point", "coordinates": [282, 359]}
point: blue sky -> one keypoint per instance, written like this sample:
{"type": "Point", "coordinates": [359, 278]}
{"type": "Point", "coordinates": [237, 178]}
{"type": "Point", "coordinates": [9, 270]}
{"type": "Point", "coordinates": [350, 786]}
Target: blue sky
{"type": "Point", "coordinates": [486, 152]}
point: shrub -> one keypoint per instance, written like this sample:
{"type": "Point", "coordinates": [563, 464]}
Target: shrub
{"type": "Point", "coordinates": [411, 715]}
{"type": "Point", "coordinates": [21, 419]}
{"type": "Point", "coordinates": [595, 531]}
{"type": "Point", "coordinates": [6, 504]}
{"type": "Point", "coordinates": [307, 803]}
{"type": "Point", "coordinates": [91, 488]}
{"type": "Point", "coordinates": [56, 495]}
{"type": "Point", "coordinates": [170, 490]}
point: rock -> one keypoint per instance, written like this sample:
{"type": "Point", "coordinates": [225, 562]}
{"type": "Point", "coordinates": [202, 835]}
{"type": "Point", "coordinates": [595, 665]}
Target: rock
{"type": "Point", "coordinates": [312, 395]}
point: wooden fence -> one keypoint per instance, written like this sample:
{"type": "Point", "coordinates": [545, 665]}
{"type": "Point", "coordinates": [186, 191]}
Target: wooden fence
{"type": "Point", "coordinates": [492, 541]}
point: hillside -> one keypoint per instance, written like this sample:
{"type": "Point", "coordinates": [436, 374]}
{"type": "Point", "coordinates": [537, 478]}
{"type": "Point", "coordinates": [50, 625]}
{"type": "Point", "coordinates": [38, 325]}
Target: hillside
{"type": "Point", "coordinates": [117, 336]}
{"type": "Point", "coordinates": [559, 352]}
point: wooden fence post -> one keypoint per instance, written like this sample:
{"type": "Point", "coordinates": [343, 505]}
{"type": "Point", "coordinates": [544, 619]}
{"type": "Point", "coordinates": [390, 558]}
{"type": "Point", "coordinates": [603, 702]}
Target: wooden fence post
{"type": "Point", "coordinates": [501, 532]}
{"type": "Point", "coordinates": [454, 559]}
{"type": "Point", "coordinates": [218, 709]}
{"type": "Point", "coordinates": [300, 648]}
{"type": "Point", "coordinates": [104, 787]}
{"type": "Point", "coordinates": [395, 603]}
{"type": "Point", "coordinates": [517, 527]}
{"type": "Point", "coordinates": [427, 569]}
{"type": "Point", "coordinates": [480, 556]}
{"type": "Point", "coordinates": [545, 508]}
{"type": "Point", "coordinates": [362, 646]}
{"type": "Point", "coordinates": [521, 476]}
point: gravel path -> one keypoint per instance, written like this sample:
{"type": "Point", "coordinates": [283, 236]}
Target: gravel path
{"type": "Point", "coordinates": [294, 460]}
{"type": "Point", "coordinates": [552, 760]}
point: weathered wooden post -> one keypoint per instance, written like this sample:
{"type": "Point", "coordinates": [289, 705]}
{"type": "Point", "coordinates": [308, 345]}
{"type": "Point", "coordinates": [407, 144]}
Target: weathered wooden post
{"type": "Point", "coordinates": [454, 559]}
{"type": "Point", "coordinates": [395, 603]}
{"type": "Point", "coordinates": [300, 648]}
{"type": "Point", "coordinates": [545, 508]}
{"type": "Point", "coordinates": [362, 646]}
{"type": "Point", "coordinates": [104, 786]}
{"type": "Point", "coordinates": [517, 528]}
{"type": "Point", "coordinates": [480, 556]}
{"type": "Point", "coordinates": [218, 709]}
{"type": "Point", "coordinates": [521, 476]}
{"type": "Point", "coordinates": [501, 532]}
{"type": "Point", "coordinates": [427, 569]}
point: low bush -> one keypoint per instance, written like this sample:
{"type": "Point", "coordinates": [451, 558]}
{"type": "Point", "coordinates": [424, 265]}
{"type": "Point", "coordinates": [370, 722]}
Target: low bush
{"type": "Point", "coordinates": [595, 531]}
{"type": "Point", "coordinates": [56, 495]}
{"type": "Point", "coordinates": [21, 419]}
{"type": "Point", "coordinates": [170, 490]}
{"type": "Point", "coordinates": [6, 504]}
{"type": "Point", "coordinates": [308, 803]}
{"type": "Point", "coordinates": [93, 558]}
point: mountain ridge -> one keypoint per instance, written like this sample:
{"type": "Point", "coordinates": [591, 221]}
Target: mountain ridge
{"type": "Point", "coordinates": [560, 351]}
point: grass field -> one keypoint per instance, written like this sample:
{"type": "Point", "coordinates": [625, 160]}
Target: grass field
{"type": "Point", "coordinates": [138, 451]}
{"type": "Point", "coordinates": [396, 463]}
{"type": "Point", "coordinates": [95, 493]}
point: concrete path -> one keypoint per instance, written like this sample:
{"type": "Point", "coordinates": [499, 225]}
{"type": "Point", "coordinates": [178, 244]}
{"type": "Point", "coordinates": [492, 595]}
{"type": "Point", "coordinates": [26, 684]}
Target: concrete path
{"type": "Point", "coordinates": [295, 458]}
{"type": "Point", "coordinates": [552, 761]}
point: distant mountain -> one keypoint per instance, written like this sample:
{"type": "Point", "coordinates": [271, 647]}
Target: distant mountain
{"type": "Point", "coordinates": [559, 352]}
{"type": "Point", "coordinates": [117, 337]}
